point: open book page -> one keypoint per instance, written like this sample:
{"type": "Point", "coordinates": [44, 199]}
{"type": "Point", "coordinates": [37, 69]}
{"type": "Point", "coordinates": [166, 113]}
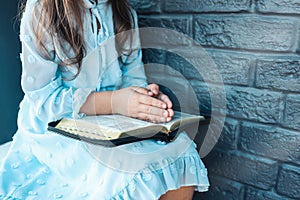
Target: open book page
{"type": "Point", "coordinates": [102, 127]}
{"type": "Point", "coordinates": [109, 127]}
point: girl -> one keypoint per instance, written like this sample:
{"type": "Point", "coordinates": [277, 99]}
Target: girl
{"type": "Point", "coordinates": [71, 70]}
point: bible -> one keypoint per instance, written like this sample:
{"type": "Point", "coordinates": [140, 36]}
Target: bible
{"type": "Point", "coordinates": [114, 130]}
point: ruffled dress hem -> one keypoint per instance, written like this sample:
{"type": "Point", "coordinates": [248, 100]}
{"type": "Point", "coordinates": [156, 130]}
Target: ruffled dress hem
{"type": "Point", "coordinates": [152, 184]}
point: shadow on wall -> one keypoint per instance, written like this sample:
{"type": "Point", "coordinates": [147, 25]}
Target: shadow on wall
{"type": "Point", "coordinates": [10, 69]}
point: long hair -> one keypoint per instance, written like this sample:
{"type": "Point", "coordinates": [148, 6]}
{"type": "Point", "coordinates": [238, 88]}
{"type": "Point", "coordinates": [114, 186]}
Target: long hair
{"type": "Point", "coordinates": [64, 19]}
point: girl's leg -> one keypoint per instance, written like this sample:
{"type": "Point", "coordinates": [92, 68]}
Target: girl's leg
{"type": "Point", "coordinates": [183, 193]}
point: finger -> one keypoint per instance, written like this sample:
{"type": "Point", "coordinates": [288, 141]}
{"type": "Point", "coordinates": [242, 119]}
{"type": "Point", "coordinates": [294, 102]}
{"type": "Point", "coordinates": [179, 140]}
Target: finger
{"type": "Point", "coordinates": [154, 88]}
{"type": "Point", "coordinates": [144, 91]}
{"type": "Point", "coordinates": [143, 99]}
{"type": "Point", "coordinates": [169, 119]}
{"type": "Point", "coordinates": [171, 112]}
{"type": "Point", "coordinates": [151, 110]}
{"type": "Point", "coordinates": [140, 90]}
{"type": "Point", "coordinates": [150, 93]}
{"type": "Point", "coordinates": [151, 118]}
{"type": "Point", "coordinates": [165, 99]}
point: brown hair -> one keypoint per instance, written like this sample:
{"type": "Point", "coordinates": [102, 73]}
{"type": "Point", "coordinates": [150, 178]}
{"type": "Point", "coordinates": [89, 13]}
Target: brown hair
{"type": "Point", "coordinates": [64, 19]}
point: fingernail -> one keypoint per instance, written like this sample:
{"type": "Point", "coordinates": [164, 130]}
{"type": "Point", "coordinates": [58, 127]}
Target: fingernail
{"type": "Point", "coordinates": [166, 113]}
{"type": "Point", "coordinates": [164, 106]}
{"type": "Point", "coordinates": [169, 119]}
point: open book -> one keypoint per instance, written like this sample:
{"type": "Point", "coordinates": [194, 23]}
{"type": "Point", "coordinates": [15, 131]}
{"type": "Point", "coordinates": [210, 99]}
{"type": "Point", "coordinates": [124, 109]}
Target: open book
{"type": "Point", "coordinates": [112, 130]}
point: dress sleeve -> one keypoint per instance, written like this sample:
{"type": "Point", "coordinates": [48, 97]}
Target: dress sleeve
{"type": "Point", "coordinates": [133, 68]}
{"type": "Point", "coordinates": [41, 82]}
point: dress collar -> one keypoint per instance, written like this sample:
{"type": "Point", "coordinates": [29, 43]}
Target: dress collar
{"type": "Point", "coordinates": [93, 3]}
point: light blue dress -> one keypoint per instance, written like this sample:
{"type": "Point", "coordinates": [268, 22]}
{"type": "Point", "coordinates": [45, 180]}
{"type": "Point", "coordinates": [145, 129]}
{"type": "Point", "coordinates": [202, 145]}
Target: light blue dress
{"type": "Point", "coordinates": [44, 165]}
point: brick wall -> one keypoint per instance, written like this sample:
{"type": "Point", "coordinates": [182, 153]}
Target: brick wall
{"type": "Point", "coordinates": [255, 45]}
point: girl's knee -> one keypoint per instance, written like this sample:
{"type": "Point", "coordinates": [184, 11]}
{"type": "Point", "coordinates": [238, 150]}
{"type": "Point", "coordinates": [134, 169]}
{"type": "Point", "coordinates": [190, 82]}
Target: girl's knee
{"type": "Point", "coordinates": [183, 193]}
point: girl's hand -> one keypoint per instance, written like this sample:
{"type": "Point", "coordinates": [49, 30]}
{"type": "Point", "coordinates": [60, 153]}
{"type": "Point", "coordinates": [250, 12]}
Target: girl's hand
{"type": "Point", "coordinates": [154, 92]}
{"type": "Point", "coordinates": [136, 102]}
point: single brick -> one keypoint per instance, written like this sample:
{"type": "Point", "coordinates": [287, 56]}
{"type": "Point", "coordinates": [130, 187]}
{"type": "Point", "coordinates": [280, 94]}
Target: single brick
{"type": "Point", "coordinates": [229, 68]}
{"type": "Point", "coordinates": [289, 181]}
{"type": "Point", "coordinates": [244, 103]}
{"type": "Point", "coordinates": [172, 36]}
{"type": "Point", "coordinates": [233, 67]}
{"type": "Point", "coordinates": [146, 6]}
{"type": "Point", "coordinates": [291, 117]}
{"type": "Point", "coordinates": [279, 6]}
{"type": "Point", "coordinates": [254, 104]}
{"type": "Point", "coordinates": [248, 169]}
{"type": "Point", "coordinates": [270, 141]}
{"type": "Point", "coordinates": [245, 32]}
{"type": "Point", "coordinates": [276, 73]}
{"type": "Point", "coordinates": [255, 194]}
{"type": "Point", "coordinates": [222, 189]}
{"type": "Point", "coordinates": [206, 6]}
